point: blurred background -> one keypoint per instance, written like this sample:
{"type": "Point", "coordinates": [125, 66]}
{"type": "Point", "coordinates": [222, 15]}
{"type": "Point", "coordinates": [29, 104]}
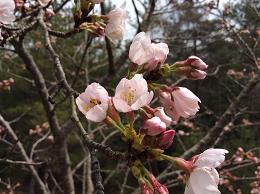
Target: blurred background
{"type": "Point", "coordinates": [225, 34]}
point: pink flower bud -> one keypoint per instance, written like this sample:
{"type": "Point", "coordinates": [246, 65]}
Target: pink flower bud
{"type": "Point", "coordinates": [192, 68]}
{"type": "Point", "coordinates": [158, 187]}
{"type": "Point", "coordinates": [196, 62]}
{"type": "Point", "coordinates": [145, 189]}
{"type": "Point", "coordinates": [166, 139]}
{"type": "Point", "coordinates": [154, 126]}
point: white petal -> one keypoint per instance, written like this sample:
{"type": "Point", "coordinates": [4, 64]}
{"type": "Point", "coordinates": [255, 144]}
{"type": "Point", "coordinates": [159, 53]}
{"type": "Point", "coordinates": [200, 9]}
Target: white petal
{"type": "Point", "coordinates": [211, 158]}
{"type": "Point", "coordinates": [97, 113]}
{"type": "Point", "coordinates": [121, 105]}
{"type": "Point", "coordinates": [144, 100]}
{"type": "Point", "coordinates": [202, 182]}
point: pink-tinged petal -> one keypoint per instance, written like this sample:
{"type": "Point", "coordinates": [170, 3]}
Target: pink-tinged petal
{"type": "Point", "coordinates": [121, 105]}
{"type": "Point", "coordinates": [97, 113]}
{"type": "Point", "coordinates": [197, 62]}
{"type": "Point", "coordinates": [144, 100]}
{"type": "Point", "coordinates": [81, 104]}
{"type": "Point", "coordinates": [114, 31]}
{"type": "Point", "coordinates": [96, 91]}
{"type": "Point", "coordinates": [202, 181]}
{"type": "Point", "coordinates": [198, 74]}
{"type": "Point", "coordinates": [211, 158]}
{"type": "Point", "coordinates": [159, 112]}
{"type": "Point", "coordinates": [153, 126]}
{"type": "Point", "coordinates": [140, 50]}
{"type": "Point", "coordinates": [139, 84]}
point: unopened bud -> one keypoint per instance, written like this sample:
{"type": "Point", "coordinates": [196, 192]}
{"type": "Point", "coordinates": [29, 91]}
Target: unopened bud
{"type": "Point", "coordinates": [166, 139]}
{"type": "Point", "coordinates": [153, 126]}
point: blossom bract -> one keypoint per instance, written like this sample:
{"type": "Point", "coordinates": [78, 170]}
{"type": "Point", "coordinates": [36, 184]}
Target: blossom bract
{"type": "Point", "coordinates": [7, 11]}
{"type": "Point", "coordinates": [93, 103]}
{"type": "Point", "coordinates": [132, 94]}
{"type": "Point", "coordinates": [181, 102]}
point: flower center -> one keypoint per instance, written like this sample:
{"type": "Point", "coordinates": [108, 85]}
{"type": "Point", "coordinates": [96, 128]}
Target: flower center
{"type": "Point", "coordinates": [128, 95]}
{"type": "Point", "coordinates": [91, 104]}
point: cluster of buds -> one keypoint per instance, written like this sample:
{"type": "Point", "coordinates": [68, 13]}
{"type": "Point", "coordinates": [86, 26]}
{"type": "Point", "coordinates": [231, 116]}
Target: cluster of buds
{"type": "Point", "coordinates": [39, 129]}
{"type": "Point", "coordinates": [241, 155]}
{"type": "Point", "coordinates": [192, 68]}
{"type": "Point", "coordinates": [155, 134]}
{"type": "Point", "coordinates": [6, 84]}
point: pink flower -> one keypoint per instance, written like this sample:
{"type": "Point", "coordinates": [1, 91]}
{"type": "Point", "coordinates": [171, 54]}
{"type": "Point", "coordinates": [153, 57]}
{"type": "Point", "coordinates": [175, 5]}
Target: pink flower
{"type": "Point", "coordinates": [166, 139]}
{"type": "Point", "coordinates": [93, 103]}
{"type": "Point", "coordinates": [153, 126]}
{"type": "Point", "coordinates": [97, 1]}
{"type": "Point", "coordinates": [7, 11]}
{"type": "Point", "coordinates": [132, 94]}
{"type": "Point", "coordinates": [204, 178]}
{"type": "Point", "coordinates": [116, 23]}
{"type": "Point", "coordinates": [159, 112]}
{"type": "Point", "coordinates": [142, 51]}
{"type": "Point", "coordinates": [181, 102]}
{"type": "Point", "coordinates": [192, 68]}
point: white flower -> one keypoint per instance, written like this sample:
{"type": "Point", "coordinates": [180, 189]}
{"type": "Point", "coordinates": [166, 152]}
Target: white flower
{"type": "Point", "coordinates": [93, 103]}
{"type": "Point", "coordinates": [132, 94]}
{"type": "Point", "coordinates": [204, 178]}
{"type": "Point", "coordinates": [116, 23]}
{"type": "Point", "coordinates": [7, 11]}
{"type": "Point", "coordinates": [142, 51]}
{"type": "Point", "coordinates": [181, 102]}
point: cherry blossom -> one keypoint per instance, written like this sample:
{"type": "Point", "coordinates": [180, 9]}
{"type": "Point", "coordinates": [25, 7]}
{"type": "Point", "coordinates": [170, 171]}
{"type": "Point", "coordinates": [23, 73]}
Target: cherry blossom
{"type": "Point", "coordinates": [93, 103]}
{"type": "Point", "coordinates": [181, 102]}
{"type": "Point", "coordinates": [142, 51]}
{"type": "Point", "coordinates": [132, 94]}
{"type": "Point", "coordinates": [116, 23]}
{"type": "Point", "coordinates": [204, 178]}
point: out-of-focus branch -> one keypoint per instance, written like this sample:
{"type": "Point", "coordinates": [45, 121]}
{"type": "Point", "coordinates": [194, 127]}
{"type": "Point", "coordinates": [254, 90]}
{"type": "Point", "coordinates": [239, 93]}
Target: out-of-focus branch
{"type": "Point", "coordinates": [7, 126]}
{"type": "Point", "coordinates": [108, 46]}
